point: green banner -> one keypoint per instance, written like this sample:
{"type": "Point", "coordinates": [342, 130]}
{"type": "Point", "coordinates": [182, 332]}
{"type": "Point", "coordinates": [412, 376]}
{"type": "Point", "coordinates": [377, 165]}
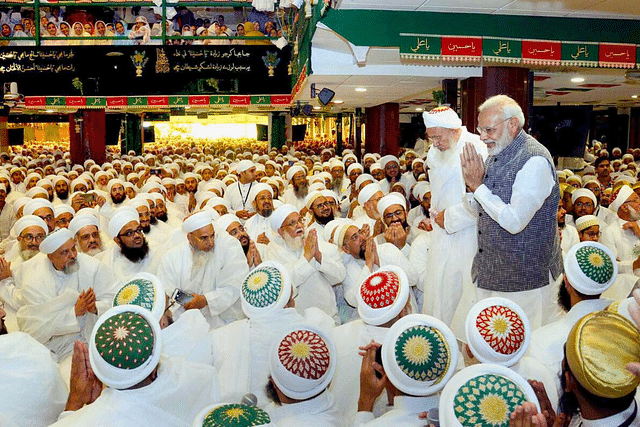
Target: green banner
{"type": "Point", "coordinates": [178, 101]}
{"type": "Point", "coordinates": [260, 100]}
{"type": "Point", "coordinates": [502, 50]}
{"type": "Point", "coordinates": [420, 47]}
{"type": "Point", "coordinates": [219, 100]}
{"type": "Point", "coordinates": [93, 101]}
{"type": "Point", "coordinates": [135, 101]}
{"type": "Point", "coordinates": [56, 101]}
{"type": "Point", "coordinates": [580, 54]}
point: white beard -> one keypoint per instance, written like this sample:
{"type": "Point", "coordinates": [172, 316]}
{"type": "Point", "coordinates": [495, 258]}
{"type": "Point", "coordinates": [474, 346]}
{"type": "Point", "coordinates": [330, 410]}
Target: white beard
{"type": "Point", "coordinates": [635, 215]}
{"type": "Point", "coordinates": [27, 254]}
{"type": "Point", "coordinates": [71, 268]}
{"type": "Point", "coordinates": [444, 157]}
{"type": "Point", "coordinates": [295, 243]}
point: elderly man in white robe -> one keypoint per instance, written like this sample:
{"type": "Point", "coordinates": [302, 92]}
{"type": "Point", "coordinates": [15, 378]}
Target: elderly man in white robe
{"type": "Point", "coordinates": [454, 239]}
{"type": "Point", "coordinates": [299, 189]}
{"type": "Point", "coordinates": [313, 265]}
{"type": "Point", "coordinates": [622, 237]}
{"type": "Point", "coordinates": [240, 350]}
{"type": "Point", "coordinates": [63, 292]}
{"type": "Point", "coordinates": [209, 266]}
{"type": "Point", "coordinates": [368, 198]}
{"type": "Point", "coordinates": [33, 392]}
{"type": "Point", "coordinates": [258, 226]}
{"type": "Point", "coordinates": [85, 228]}
{"type": "Point", "coordinates": [131, 253]}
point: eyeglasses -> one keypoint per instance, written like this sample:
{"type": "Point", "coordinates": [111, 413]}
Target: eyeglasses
{"type": "Point", "coordinates": [30, 237]}
{"type": "Point", "coordinates": [397, 213]}
{"type": "Point", "coordinates": [323, 205]}
{"type": "Point", "coordinates": [293, 223]}
{"type": "Point", "coordinates": [130, 233]}
{"type": "Point", "coordinates": [491, 130]}
{"type": "Point", "coordinates": [592, 234]}
{"type": "Point", "coordinates": [584, 204]}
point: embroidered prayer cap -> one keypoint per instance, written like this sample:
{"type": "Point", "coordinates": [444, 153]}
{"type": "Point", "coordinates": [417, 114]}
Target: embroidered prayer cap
{"type": "Point", "coordinates": [623, 193]}
{"type": "Point", "coordinates": [294, 170]}
{"type": "Point", "coordinates": [54, 240]}
{"type": "Point", "coordinates": [367, 192]}
{"type": "Point", "coordinates": [333, 228]}
{"type": "Point", "coordinates": [390, 200]}
{"type": "Point", "coordinates": [586, 221]}
{"type": "Point", "coordinates": [584, 192]}
{"type": "Point", "coordinates": [231, 415]}
{"type": "Point", "coordinates": [383, 295]}
{"type": "Point", "coordinates": [125, 346]}
{"type": "Point", "coordinates": [442, 117]}
{"type": "Point", "coordinates": [419, 354]}
{"type": "Point", "coordinates": [388, 158]}
{"type": "Point", "coordinates": [197, 221]}
{"type": "Point", "coordinates": [280, 214]}
{"type": "Point", "coordinates": [591, 268]}
{"type": "Point", "coordinates": [598, 348]}
{"type": "Point", "coordinates": [266, 288]}
{"type": "Point", "coordinates": [302, 361]}
{"type": "Point", "coordinates": [28, 221]}
{"type": "Point", "coordinates": [483, 395]}
{"type": "Point", "coordinates": [144, 290]}
{"type": "Point", "coordinates": [244, 165]}
{"type": "Point", "coordinates": [121, 217]}
{"type": "Point", "coordinates": [497, 331]}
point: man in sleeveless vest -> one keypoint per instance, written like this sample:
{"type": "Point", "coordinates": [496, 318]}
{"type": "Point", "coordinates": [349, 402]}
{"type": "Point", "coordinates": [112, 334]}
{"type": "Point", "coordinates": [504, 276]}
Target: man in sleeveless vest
{"type": "Point", "coordinates": [516, 195]}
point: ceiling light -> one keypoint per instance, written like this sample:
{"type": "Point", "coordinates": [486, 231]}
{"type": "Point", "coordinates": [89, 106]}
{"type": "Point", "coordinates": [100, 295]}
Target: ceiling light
{"type": "Point", "coordinates": [634, 96]}
{"type": "Point", "coordinates": [419, 109]}
{"type": "Point", "coordinates": [48, 111]}
{"type": "Point", "coordinates": [317, 107]}
{"type": "Point", "coordinates": [361, 89]}
{"type": "Point", "coordinates": [338, 101]}
{"type": "Point", "coordinates": [577, 79]}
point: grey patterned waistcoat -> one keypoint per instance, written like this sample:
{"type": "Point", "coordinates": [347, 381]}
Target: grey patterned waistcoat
{"type": "Point", "coordinates": [508, 262]}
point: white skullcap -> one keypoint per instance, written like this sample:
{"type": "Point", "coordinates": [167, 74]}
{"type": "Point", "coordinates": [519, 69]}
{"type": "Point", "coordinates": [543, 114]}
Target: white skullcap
{"type": "Point", "coordinates": [244, 165]}
{"type": "Point", "coordinates": [623, 194]}
{"type": "Point", "coordinates": [81, 221]}
{"type": "Point", "coordinates": [293, 170]}
{"type": "Point", "coordinates": [362, 178]}
{"type": "Point", "coordinates": [335, 163]}
{"type": "Point", "coordinates": [280, 214]}
{"type": "Point", "coordinates": [375, 166]}
{"type": "Point", "coordinates": [506, 347]}
{"type": "Point", "coordinates": [354, 166]}
{"type": "Point", "coordinates": [34, 204]}
{"type": "Point", "coordinates": [54, 240]}
{"type": "Point", "coordinates": [388, 158]}
{"type": "Point", "coordinates": [258, 188]}
{"type": "Point", "coordinates": [225, 221]}
{"type": "Point", "coordinates": [35, 191]}
{"type": "Point", "coordinates": [367, 192]}
{"type": "Point", "coordinates": [311, 197]}
{"type": "Point", "coordinates": [76, 182]}
{"type": "Point", "coordinates": [151, 185]}
{"type": "Point", "coordinates": [586, 221]}
{"type": "Point", "coordinates": [197, 221]}
{"type": "Point", "coordinates": [330, 193]}
{"type": "Point", "coordinates": [584, 192]}
{"type": "Point", "coordinates": [416, 161]}
{"type": "Point", "coordinates": [421, 189]}
{"type": "Point", "coordinates": [62, 208]}
{"type": "Point", "coordinates": [442, 117]}
{"type": "Point", "coordinates": [591, 268]}
{"type": "Point", "coordinates": [334, 225]}
{"type": "Point", "coordinates": [28, 221]}
{"type": "Point", "coordinates": [120, 218]}
{"type": "Point", "coordinates": [215, 201]}
{"type": "Point", "coordinates": [168, 181]}
{"type": "Point", "coordinates": [390, 200]}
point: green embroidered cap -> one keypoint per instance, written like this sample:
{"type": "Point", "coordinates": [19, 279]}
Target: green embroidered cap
{"type": "Point", "coordinates": [125, 340]}
{"type": "Point", "coordinates": [137, 292]}
{"type": "Point", "coordinates": [235, 415]}
{"type": "Point", "coordinates": [262, 287]}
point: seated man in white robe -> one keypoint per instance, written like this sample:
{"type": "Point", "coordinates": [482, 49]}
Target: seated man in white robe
{"type": "Point", "coordinates": [419, 356]}
{"type": "Point", "coordinates": [85, 228]}
{"type": "Point", "coordinates": [319, 207]}
{"type": "Point", "coordinates": [155, 234]}
{"type": "Point", "coordinates": [393, 212]}
{"type": "Point", "coordinates": [43, 209]}
{"type": "Point", "coordinates": [299, 189]}
{"type": "Point", "coordinates": [362, 256]}
{"type": "Point", "coordinates": [33, 392]}
{"type": "Point", "coordinates": [313, 265]}
{"type": "Point", "coordinates": [62, 293]}
{"type": "Point", "coordinates": [377, 315]}
{"type": "Point", "coordinates": [210, 266]}
{"type": "Point", "coordinates": [240, 350]}
{"type": "Point", "coordinates": [258, 226]}
{"type": "Point", "coordinates": [254, 252]}
{"type": "Point", "coordinates": [302, 362]}
{"type": "Point", "coordinates": [590, 269]}
{"type": "Point", "coordinates": [117, 196]}
{"type": "Point", "coordinates": [131, 253]}
{"type": "Point", "coordinates": [142, 389]}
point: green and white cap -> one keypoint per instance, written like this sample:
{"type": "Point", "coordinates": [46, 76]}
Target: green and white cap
{"type": "Point", "coordinates": [144, 290]}
{"type": "Point", "coordinates": [419, 354]}
{"type": "Point", "coordinates": [125, 346]}
{"type": "Point", "coordinates": [591, 268]}
{"type": "Point", "coordinates": [265, 289]}
{"type": "Point", "coordinates": [232, 415]}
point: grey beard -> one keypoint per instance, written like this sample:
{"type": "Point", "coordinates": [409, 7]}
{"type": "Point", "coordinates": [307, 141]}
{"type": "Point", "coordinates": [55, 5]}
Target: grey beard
{"type": "Point", "coordinates": [94, 252]}
{"type": "Point", "coordinates": [27, 254]}
{"type": "Point", "coordinates": [71, 268]}
{"type": "Point", "coordinates": [295, 243]}
{"type": "Point", "coordinates": [301, 192]}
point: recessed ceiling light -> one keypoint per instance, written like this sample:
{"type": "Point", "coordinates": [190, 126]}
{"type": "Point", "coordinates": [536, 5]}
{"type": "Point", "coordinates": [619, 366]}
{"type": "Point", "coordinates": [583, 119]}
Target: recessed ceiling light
{"type": "Point", "coordinates": [338, 101]}
{"type": "Point", "coordinates": [317, 107]}
{"type": "Point", "coordinates": [48, 111]}
{"type": "Point", "coordinates": [419, 109]}
{"type": "Point", "coordinates": [361, 89]}
{"type": "Point", "coordinates": [577, 79]}
{"type": "Point", "coordinates": [634, 96]}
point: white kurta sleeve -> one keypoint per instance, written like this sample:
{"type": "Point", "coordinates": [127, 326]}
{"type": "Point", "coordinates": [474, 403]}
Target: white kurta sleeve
{"type": "Point", "coordinates": [532, 186]}
{"type": "Point", "coordinates": [331, 266]}
{"type": "Point", "coordinates": [355, 275]}
{"type": "Point", "coordinates": [391, 255]}
{"type": "Point", "coordinates": [458, 217]}
{"type": "Point", "coordinates": [46, 319]}
{"type": "Point", "coordinates": [233, 270]}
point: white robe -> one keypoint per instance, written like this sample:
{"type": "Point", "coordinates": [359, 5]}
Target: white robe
{"type": "Point", "coordinates": [180, 391]}
{"type": "Point", "coordinates": [219, 280]}
{"type": "Point", "coordinates": [237, 194]}
{"type": "Point", "coordinates": [256, 225]}
{"type": "Point", "coordinates": [122, 268]}
{"type": "Point", "coordinates": [453, 248]}
{"type": "Point", "coordinates": [7, 219]}
{"type": "Point", "coordinates": [185, 338]}
{"type": "Point", "coordinates": [290, 197]}
{"type": "Point", "coordinates": [404, 413]}
{"type": "Point", "coordinates": [319, 411]}
{"type": "Point", "coordinates": [568, 238]}
{"type": "Point", "coordinates": [313, 280]}
{"type": "Point", "coordinates": [33, 393]}
{"type": "Point", "coordinates": [623, 243]}
{"type": "Point", "coordinates": [49, 298]}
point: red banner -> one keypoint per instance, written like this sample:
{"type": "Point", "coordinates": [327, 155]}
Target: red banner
{"type": "Point", "coordinates": [199, 100]}
{"type": "Point", "coordinates": [461, 48]}
{"type": "Point", "coordinates": [541, 52]}
{"type": "Point", "coordinates": [617, 55]}
{"type": "Point", "coordinates": [35, 101]}
{"type": "Point", "coordinates": [116, 101]}
{"type": "Point", "coordinates": [240, 100]}
{"type": "Point", "coordinates": [76, 101]}
{"type": "Point", "coordinates": [280, 99]}
{"type": "Point", "coordinates": [158, 101]}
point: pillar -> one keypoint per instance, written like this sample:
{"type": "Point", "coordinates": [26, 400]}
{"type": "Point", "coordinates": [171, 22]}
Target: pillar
{"type": "Point", "coordinates": [382, 133]}
{"type": "Point", "coordinates": [512, 81]}
{"type": "Point", "coordinates": [450, 89]}
{"type": "Point", "coordinates": [339, 134]}
{"type": "Point", "coordinates": [358, 133]}
{"type": "Point", "coordinates": [4, 132]}
{"type": "Point", "coordinates": [132, 139]}
{"type": "Point", "coordinates": [87, 136]}
{"type": "Point", "coordinates": [277, 130]}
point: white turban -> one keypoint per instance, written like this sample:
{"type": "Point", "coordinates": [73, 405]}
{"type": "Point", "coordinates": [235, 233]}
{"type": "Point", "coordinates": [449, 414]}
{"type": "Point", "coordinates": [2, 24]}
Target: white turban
{"type": "Point", "coordinates": [442, 117]}
{"type": "Point", "coordinates": [81, 221]}
{"type": "Point", "coordinates": [388, 158]}
{"type": "Point", "coordinates": [244, 165]}
{"type": "Point", "coordinates": [225, 221]}
{"type": "Point", "coordinates": [362, 178]}
{"type": "Point", "coordinates": [280, 214]}
{"type": "Point", "coordinates": [54, 240]}
{"type": "Point", "coordinates": [28, 221]}
{"type": "Point", "coordinates": [421, 189]}
{"type": "Point", "coordinates": [62, 208]}
{"type": "Point", "coordinates": [294, 170]}
{"type": "Point", "coordinates": [120, 218]}
{"type": "Point", "coordinates": [375, 166]}
{"type": "Point", "coordinates": [623, 194]}
{"type": "Point", "coordinates": [311, 197]}
{"type": "Point", "coordinates": [354, 166]}
{"type": "Point", "coordinates": [584, 192]}
{"type": "Point", "coordinates": [258, 188]}
{"type": "Point", "coordinates": [197, 221]}
{"type": "Point", "coordinates": [33, 205]}
{"type": "Point", "coordinates": [390, 200]}
{"type": "Point", "coordinates": [367, 192]}
{"type": "Point", "coordinates": [586, 221]}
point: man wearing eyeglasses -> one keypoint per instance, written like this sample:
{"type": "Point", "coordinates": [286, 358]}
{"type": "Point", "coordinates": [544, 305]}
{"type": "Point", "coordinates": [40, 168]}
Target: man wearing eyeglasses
{"type": "Point", "coordinates": [321, 213]}
{"type": "Point", "coordinates": [516, 196]}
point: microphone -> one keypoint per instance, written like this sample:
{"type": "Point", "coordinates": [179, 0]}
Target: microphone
{"type": "Point", "coordinates": [249, 399]}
